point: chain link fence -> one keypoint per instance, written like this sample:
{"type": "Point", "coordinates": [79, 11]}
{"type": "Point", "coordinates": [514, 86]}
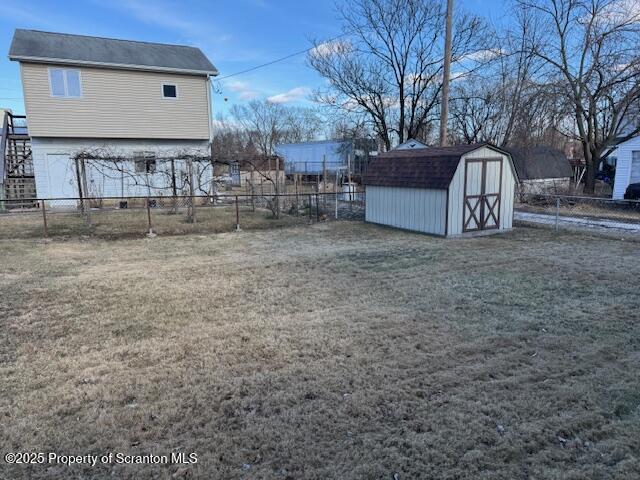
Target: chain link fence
{"type": "Point", "coordinates": [579, 212]}
{"type": "Point", "coordinates": [121, 217]}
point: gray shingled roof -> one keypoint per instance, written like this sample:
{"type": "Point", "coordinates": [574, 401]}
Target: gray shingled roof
{"type": "Point", "coordinates": [64, 48]}
{"type": "Point", "coordinates": [540, 162]}
{"type": "Point", "coordinates": [432, 167]}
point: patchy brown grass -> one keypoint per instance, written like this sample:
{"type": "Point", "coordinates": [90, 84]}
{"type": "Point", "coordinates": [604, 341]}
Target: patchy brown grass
{"type": "Point", "coordinates": [340, 350]}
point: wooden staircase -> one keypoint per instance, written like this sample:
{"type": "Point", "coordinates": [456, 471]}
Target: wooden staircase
{"type": "Point", "coordinates": [19, 180]}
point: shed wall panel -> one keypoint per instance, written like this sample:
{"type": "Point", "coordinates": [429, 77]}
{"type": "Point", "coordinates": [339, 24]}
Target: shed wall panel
{"type": "Point", "coordinates": [422, 210]}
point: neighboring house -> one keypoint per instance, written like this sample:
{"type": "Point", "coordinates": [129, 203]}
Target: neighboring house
{"type": "Point", "coordinates": [627, 164]}
{"type": "Point", "coordinates": [541, 169]}
{"type": "Point", "coordinates": [447, 191]}
{"type": "Point", "coordinates": [138, 101]}
{"type": "Point", "coordinates": [313, 158]}
{"type": "Point", "coordinates": [409, 144]}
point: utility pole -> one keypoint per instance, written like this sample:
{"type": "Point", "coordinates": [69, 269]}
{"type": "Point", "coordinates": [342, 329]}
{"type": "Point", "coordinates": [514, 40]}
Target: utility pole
{"type": "Point", "coordinates": [444, 112]}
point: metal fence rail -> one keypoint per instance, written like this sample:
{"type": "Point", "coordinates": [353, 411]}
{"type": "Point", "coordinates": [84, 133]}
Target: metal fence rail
{"type": "Point", "coordinates": [578, 212]}
{"type": "Point", "coordinates": [115, 217]}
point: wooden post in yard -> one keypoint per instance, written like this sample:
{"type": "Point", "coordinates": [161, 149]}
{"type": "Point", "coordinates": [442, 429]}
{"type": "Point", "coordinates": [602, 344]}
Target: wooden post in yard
{"type": "Point", "coordinates": [335, 194]}
{"type": "Point", "coordinates": [44, 220]}
{"type": "Point", "coordinates": [324, 180]}
{"type": "Point", "coordinates": [310, 209]}
{"type": "Point", "coordinates": [277, 187]}
{"type": "Point", "coordinates": [317, 208]}
{"type": "Point", "coordinates": [295, 185]}
{"type": "Point", "coordinates": [174, 186]}
{"type": "Point", "coordinates": [237, 215]}
{"type": "Point", "coordinates": [191, 217]}
{"type": "Point", "coordinates": [149, 216]}
{"type": "Point", "coordinates": [349, 178]}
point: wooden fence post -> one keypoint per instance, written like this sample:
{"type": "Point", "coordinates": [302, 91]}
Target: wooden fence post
{"type": "Point", "coordinates": [149, 217]}
{"type": "Point", "coordinates": [237, 215]}
{"type": "Point", "coordinates": [335, 194]}
{"type": "Point", "coordinates": [44, 220]}
{"type": "Point", "coordinates": [191, 216]}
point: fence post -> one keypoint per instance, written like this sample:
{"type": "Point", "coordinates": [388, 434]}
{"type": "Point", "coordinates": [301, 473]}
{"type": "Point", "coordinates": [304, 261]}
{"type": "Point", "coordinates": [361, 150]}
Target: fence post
{"type": "Point", "coordinates": [317, 208]}
{"type": "Point", "coordinates": [149, 217]}
{"type": "Point", "coordinates": [237, 215]}
{"type": "Point", "coordinates": [310, 209]}
{"type": "Point", "coordinates": [335, 196]}
{"type": "Point", "coordinates": [44, 220]}
{"type": "Point", "coordinates": [557, 213]}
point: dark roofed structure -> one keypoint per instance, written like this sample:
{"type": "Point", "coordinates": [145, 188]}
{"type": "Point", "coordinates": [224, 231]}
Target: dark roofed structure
{"type": "Point", "coordinates": [63, 48]}
{"type": "Point", "coordinates": [432, 167]}
{"type": "Point", "coordinates": [541, 162]}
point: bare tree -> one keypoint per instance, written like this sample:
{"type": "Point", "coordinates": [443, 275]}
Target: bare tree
{"type": "Point", "coordinates": [389, 66]}
{"type": "Point", "coordinates": [265, 124]}
{"type": "Point", "coordinates": [591, 48]}
{"type": "Point", "coordinates": [506, 102]}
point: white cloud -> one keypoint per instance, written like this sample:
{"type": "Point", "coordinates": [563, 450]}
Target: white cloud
{"type": "Point", "coordinates": [621, 12]}
{"type": "Point", "coordinates": [166, 15]}
{"type": "Point", "coordinates": [243, 89]}
{"type": "Point", "coordinates": [482, 55]}
{"type": "Point", "coordinates": [334, 47]}
{"type": "Point", "coordinates": [290, 96]}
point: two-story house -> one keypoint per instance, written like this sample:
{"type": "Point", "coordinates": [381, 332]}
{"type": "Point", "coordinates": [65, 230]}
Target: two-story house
{"type": "Point", "coordinates": [137, 100]}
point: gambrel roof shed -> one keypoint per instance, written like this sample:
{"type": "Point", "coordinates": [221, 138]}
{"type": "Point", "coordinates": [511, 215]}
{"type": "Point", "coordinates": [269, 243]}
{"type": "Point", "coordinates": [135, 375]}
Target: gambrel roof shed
{"type": "Point", "coordinates": [442, 190]}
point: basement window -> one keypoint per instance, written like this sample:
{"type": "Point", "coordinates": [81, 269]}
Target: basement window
{"type": "Point", "coordinates": [169, 91]}
{"type": "Point", "coordinates": [65, 83]}
{"type": "Point", "coordinates": [145, 162]}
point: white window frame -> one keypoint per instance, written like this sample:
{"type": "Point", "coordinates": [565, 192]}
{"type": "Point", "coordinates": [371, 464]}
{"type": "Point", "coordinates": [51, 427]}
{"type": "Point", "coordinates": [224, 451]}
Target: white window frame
{"type": "Point", "coordinates": [172, 84]}
{"type": "Point", "coordinates": [64, 79]}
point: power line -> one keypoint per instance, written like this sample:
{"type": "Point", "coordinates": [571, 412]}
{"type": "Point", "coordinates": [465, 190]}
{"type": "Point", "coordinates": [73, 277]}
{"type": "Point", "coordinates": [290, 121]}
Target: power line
{"type": "Point", "coordinates": [286, 57]}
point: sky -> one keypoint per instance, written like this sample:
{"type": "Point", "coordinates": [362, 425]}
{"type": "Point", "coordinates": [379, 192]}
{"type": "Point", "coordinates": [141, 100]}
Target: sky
{"type": "Point", "coordinates": [234, 34]}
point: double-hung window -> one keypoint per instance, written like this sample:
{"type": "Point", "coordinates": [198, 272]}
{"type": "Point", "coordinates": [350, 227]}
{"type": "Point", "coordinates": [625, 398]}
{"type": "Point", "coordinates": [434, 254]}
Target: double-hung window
{"type": "Point", "coordinates": [65, 83]}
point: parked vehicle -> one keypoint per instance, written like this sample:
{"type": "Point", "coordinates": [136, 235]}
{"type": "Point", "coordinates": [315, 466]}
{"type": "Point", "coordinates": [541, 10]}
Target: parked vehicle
{"type": "Point", "coordinates": [633, 192]}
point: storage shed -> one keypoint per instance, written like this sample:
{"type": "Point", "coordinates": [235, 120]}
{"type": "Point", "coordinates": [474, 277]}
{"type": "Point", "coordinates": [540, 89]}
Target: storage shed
{"type": "Point", "coordinates": [448, 191]}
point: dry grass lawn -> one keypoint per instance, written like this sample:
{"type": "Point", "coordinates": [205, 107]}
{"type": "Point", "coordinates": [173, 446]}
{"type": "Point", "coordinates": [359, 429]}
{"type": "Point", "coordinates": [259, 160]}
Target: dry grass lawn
{"type": "Point", "coordinates": [339, 350]}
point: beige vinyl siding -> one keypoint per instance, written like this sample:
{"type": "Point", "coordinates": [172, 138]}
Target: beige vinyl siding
{"type": "Point", "coordinates": [419, 209]}
{"type": "Point", "coordinates": [117, 104]}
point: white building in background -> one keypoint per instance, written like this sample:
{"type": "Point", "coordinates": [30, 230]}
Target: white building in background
{"type": "Point", "coordinates": [137, 100]}
{"type": "Point", "coordinates": [627, 162]}
{"type": "Point", "coordinates": [410, 144]}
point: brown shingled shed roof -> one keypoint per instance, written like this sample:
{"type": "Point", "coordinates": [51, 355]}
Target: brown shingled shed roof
{"type": "Point", "coordinates": [432, 167]}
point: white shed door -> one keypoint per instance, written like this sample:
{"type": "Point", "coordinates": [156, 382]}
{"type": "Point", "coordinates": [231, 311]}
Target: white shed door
{"type": "Point", "coordinates": [482, 194]}
{"type": "Point", "coordinates": [635, 167]}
